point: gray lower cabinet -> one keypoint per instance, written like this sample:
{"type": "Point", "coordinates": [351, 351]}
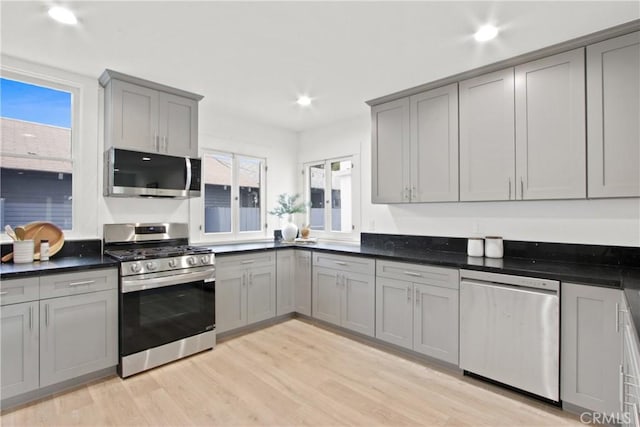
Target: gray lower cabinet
{"type": "Point", "coordinates": [302, 282]}
{"type": "Point", "coordinates": [285, 281]}
{"type": "Point", "coordinates": [591, 346]}
{"type": "Point", "coordinates": [20, 349]}
{"type": "Point", "coordinates": [630, 371]}
{"type": "Point", "coordinates": [345, 293]}
{"type": "Point", "coordinates": [78, 335]}
{"type": "Point", "coordinates": [245, 289]}
{"type": "Point", "coordinates": [613, 108]}
{"type": "Point", "coordinates": [417, 308]}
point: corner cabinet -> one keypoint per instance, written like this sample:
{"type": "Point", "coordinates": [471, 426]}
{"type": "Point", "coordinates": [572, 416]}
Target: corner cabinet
{"type": "Point", "coordinates": [613, 108]}
{"type": "Point", "coordinates": [245, 289]}
{"type": "Point", "coordinates": [302, 282]}
{"type": "Point", "coordinates": [417, 308]}
{"type": "Point", "coordinates": [285, 281]}
{"type": "Point", "coordinates": [344, 291]}
{"type": "Point", "coordinates": [145, 116]}
{"type": "Point", "coordinates": [591, 347]}
{"type": "Point", "coordinates": [415, 148]}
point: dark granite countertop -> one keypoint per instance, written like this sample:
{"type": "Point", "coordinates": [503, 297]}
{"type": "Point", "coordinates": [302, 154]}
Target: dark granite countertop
{"type": "Point", "coordinates": [55, 265]}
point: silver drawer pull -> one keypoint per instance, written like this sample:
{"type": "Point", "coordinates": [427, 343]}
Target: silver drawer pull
{"type": "Point", "coordinates": [411, 273]}
{"type": "Point", "coordinates": [340, 262]}
{"type": "Point", "coordinates": [4, 292]}
{"type": "Point", "coordinates": [86, 282]}
{"type": "Point", "coordinates": [248, 261]}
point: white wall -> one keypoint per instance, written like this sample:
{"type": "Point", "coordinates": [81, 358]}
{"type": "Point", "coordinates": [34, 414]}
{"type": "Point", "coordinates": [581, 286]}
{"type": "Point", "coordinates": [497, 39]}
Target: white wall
{"type": "Point", "coordinates": [610, 221]}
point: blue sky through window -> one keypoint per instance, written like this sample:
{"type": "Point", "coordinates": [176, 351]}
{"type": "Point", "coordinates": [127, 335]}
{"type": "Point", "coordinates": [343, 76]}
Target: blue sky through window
{"type": "Point", "coordinates": [31, 103]}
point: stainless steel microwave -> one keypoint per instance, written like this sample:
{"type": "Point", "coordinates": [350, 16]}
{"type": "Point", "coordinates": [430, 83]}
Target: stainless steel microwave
{"type": "Point", "coordinates": [139, 174]}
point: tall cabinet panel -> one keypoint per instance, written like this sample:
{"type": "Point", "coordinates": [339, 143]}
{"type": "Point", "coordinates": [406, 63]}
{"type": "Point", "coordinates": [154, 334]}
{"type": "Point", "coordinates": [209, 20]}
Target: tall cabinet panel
{"type": "Point", "coordinates": [487, 146]}
{"type": "Point", "coordinates": [285, 281]}
{"type": "Point", "coordinates": [434, 145]}
{"type": "Point", "coordinates": [550, 128]}
{"type": "Point", "coordinates": [390, 152]}
{"type": "Point", "coordinates": [613, 109]}
{"type": "Point", "coordinates": [302, 282]}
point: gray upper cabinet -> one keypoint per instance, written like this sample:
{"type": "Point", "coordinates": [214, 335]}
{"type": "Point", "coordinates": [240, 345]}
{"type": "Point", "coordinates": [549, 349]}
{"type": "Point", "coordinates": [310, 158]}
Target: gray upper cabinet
{"type": "Point", "coordinates": [487, 145]}
{"type": "Point", "coordinates": [146, 116]}
{"type": "Point", "coordinates": [613, 109]}
{"type": "Point", "coordinates": [591, 347]}
{"type": "Point", "coordinates": [285, 281]}
{"type": "Point", "coordinates": [19, 352]}
{"type": "Point", "coordinates": [302, 282]}
{"type": "Point", "coordinates": [390, 181]}
{"type": "Point", "coordinates": [550, 128]}
{"type": "Point", "coordinates": [434, 145]}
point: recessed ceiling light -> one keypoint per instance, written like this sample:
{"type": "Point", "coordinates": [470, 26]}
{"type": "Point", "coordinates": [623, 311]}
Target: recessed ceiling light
{"type": "Point", "coordinates": [486, 32]}
{"type": "Point", "coordinates": [303, 101]}
{"type": "Point", "coordinates": [28, 135]}
{"type": "Point", "coordinates": [145, 159]}
{"type": "Point", "coordinates": [63, 15]}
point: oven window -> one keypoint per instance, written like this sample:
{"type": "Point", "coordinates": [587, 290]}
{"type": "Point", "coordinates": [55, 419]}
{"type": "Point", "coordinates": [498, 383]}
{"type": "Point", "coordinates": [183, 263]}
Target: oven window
{"type": "Point", "coordinates": [154, 317]}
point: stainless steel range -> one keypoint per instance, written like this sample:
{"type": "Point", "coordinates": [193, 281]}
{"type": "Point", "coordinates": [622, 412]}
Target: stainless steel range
{"type": "Point", "coordinates": [167, 294]}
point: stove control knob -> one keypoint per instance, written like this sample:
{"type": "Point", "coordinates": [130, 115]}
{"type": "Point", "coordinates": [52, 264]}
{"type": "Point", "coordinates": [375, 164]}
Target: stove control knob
{"type": "Point", "coordinates": [192, 261]}
{"type": "Point", "coordinates": [151, 266]}
{"type": "Point", "coordinates": [135, 267]}
{"type": "Point", "coordinates": [204, 259]}
{"type": "Point", "coordinates": [173, 263]}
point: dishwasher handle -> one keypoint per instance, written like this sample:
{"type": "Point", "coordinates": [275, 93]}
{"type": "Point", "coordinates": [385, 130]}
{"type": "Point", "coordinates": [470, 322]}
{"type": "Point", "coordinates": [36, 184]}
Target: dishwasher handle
{"type": "Point", "coordinates": [509, 286]}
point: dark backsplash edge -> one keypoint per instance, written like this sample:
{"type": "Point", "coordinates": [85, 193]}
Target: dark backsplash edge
{"type": "Point", "coordinates": [561, 252]}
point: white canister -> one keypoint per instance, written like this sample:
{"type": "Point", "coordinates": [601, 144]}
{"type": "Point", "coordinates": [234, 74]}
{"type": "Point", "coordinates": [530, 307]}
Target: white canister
{"type": "Point", "coordinates": [493, 247]}
{"type": "Point", "coordinates": [475, 246]}
{"type": "Point", "coordinates": [22, 251]}
{"type": "Point", "coordinates": [44, 250]}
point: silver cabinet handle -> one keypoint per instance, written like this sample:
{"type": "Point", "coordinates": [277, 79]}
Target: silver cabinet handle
{"type": "Point", "coordinates": [411, 273]}
{"type": "Point", "coordinates": [166, 144]}
{"type": "Point", "coordinates": [31, 318]}
{"type": "Point", "coordinates": [248, 261]}
{"type": "Point", "coordinates": [340, 262]}
{"type": "Point", "coordinates": [521, 189]}
{"type": "Point", "coordinates": [408, 293]}
{"type": "Point", "coordinates": [407, 193]}
{"type": "Point", "coordinates": [413, 194]}
{"type": "Point", "coordinates": [417, 297]}
{"type": "Point", "coordinates": [621, 388]}
{"type": "Point", "coordinates": [250, 279]}
{"type": "Point", "coordinates": [46, 314]}
{"type": "Point", "coordinates": [86, 282]}
{"type": "Point", "coordinates": [4, 292]}
{"type": "Point", "coordinates": [509, 189]}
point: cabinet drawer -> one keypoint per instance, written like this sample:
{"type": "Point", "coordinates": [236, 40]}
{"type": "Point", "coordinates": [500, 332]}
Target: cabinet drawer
{"type": "Point", "coordinates": [19, 290]}
{"type": "Point", "coordinates": [416, 273]}
{"type": "Point", "coordinates": [58, 285]}
{"type": "Point", "coordinates": [254, 259]}
{"type": "Point", "coordinates": [344, 263]}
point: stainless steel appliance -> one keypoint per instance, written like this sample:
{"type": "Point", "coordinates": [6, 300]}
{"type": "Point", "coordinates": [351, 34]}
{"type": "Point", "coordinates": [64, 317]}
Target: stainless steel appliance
{"type": "Point", "coordinates": [135, 173]}
{"type": "Point", "coordinates": [167, 294]}
{"type": "Point", "coordinates": [510, 331]}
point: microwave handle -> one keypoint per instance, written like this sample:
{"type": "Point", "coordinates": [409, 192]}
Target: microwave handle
{"type": "Point", "coordinates": [188, 164]}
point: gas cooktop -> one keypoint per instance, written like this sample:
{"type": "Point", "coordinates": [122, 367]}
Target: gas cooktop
{"type": "Point", "coordinates": [155, 252]}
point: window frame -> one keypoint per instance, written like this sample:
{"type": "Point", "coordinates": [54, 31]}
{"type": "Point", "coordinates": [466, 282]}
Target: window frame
{"type": "Point", "coordinates": [197, 205]}
{"type": "Point", "coordinates": [327, 232]}
{"type": "Point", "coordinates": [76, 92]}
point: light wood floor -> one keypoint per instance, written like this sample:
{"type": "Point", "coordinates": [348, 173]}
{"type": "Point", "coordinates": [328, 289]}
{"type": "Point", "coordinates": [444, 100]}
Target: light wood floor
{"type": "Point", "coordinates": [288, 375]}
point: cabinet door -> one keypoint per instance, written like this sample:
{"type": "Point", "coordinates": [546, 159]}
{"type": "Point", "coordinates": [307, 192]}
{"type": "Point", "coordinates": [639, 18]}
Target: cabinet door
{"type": "Point", "coordinates": [487, 145]}
{"type": "Point", "coordinates": [135, 117]}
{"type": "Point", "coordinates": [285, 281]}
{"type": "Point", "coordinates": [394, 311]}
{"type": "Point", "coordinates": [613, 108]}
{"type": "Point", "coordinates": [261, 293]}
{"type": "Point", "coordinates": [231, 298]}
{"type": "Point", "coordinates": [358, 302]}
{"type": "Point", "coordinates": [435, 327]}
{"type": "Point", "coordinates": [178, 125]}
{"type": "Point", "coordinates": [434, 145]}
{"type": "Point", "coordinates": [591, 347]}
{"type": "Point", "coordinates": [326, 295]}
{"type": "Point", "coordinates": [78, 335]}
{"type": "Point", "coordinates": [390, 175]}
{"type": "Point", "coordinates": [302, 282]}
{"type": "Point", "coordinates": [550, 128]}
{"type": "Point", "coordinates": [19, 351]}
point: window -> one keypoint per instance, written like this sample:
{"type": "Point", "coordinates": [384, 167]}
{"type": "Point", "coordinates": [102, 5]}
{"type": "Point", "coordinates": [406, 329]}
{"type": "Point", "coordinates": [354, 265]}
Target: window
{"type": "Point", "coordinates": [36, 166]}
{"type": "Point", "coordinates": [329, 191]}
{"type": "Point", "coordinates": [233, 193]}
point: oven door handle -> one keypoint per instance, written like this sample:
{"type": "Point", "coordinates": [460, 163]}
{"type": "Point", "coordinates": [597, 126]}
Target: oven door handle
{"type": "Point", "coordinates": [131, 285]}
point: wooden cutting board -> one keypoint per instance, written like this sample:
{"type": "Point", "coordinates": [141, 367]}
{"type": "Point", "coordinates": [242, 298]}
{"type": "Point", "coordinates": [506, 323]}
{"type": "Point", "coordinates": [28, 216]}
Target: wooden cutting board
{"type": "Point", "coordinates": [38, 231]}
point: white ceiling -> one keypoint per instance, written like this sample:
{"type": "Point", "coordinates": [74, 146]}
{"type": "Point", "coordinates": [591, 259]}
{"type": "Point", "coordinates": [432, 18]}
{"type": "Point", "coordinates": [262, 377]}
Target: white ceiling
{"type": "Point", "coordinates": [251, 59]}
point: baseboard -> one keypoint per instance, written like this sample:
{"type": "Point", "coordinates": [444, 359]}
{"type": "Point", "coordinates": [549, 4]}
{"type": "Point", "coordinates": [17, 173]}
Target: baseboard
{"type": "Point", "coordinates": [234, 333]}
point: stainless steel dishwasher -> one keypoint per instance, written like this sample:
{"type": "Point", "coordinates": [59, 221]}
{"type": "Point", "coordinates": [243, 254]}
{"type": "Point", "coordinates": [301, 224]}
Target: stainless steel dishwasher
{"type": "Point", "coordinates": [510, 330]}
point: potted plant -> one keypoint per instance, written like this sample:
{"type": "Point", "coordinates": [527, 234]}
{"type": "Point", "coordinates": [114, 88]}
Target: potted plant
{"type": "Point", "coordinates": [288, 205]}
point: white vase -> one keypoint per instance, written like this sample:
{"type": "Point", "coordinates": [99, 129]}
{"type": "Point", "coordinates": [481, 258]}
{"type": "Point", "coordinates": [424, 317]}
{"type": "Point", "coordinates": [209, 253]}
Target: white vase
{"type": "Point", "coordinates": [289, 231]}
